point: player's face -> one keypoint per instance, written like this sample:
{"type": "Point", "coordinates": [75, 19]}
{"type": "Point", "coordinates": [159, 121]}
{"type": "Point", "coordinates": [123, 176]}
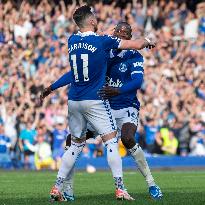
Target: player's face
{"type": "Point", "coordinates": [123, 33]}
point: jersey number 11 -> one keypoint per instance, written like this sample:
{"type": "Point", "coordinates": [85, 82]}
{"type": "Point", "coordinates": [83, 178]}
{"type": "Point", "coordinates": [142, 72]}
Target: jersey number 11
{"type": "Point", "coordinates": [84, 57]}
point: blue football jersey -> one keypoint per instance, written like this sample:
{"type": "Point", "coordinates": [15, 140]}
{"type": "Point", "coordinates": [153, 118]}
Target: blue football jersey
{"type": "Point", "coordinates": [88, 56]}
{"type": "Point", "coordinates": [121, 66]}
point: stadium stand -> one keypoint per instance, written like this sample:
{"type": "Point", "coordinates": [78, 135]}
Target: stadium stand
{"type": "Point", "coordinates": [33, 53]}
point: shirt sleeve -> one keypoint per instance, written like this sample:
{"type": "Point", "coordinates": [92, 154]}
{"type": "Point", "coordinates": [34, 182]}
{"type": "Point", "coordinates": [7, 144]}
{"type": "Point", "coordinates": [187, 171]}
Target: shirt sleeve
{"type": "Point", "coordinates": [62, 81]}
{"type": "Point", "coordinates": [136, 64]}
{"type": "Point", "coordinates": [137, 74]}
{"type": "Point", "coordinates": [111, 42]}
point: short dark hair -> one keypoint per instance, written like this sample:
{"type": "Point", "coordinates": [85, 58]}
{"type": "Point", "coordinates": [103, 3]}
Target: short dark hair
{"type": "Point", "coordinates": [81, 14]}
{"type": "Point", "coordinates": [125, 26]}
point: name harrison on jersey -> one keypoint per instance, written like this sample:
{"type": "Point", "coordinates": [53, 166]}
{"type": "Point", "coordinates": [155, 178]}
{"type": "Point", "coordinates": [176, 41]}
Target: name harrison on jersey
{"type": "Point", "coordinates": [82, 45]}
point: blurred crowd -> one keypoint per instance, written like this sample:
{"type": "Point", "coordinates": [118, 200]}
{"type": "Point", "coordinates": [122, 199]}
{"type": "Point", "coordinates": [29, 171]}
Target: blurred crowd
{"type": "Point", "coordinates": [33, 54]}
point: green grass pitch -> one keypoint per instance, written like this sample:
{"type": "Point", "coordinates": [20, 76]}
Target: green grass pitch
{"type": "Point", "coordinates": [29, 188]}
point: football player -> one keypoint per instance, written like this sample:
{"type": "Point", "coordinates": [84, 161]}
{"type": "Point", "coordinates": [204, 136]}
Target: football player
{"type": "Point", "coordinates": [88, 56]}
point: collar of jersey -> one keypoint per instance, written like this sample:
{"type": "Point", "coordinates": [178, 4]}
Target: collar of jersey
{"type": "Point", "coordinates": [120, 54]}
{"type": "Point", "coordinates": [87, 33]}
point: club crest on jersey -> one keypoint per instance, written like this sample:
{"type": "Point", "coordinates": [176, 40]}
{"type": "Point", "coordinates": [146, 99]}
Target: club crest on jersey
{"type": "Point", "coordinates": [123, 67]}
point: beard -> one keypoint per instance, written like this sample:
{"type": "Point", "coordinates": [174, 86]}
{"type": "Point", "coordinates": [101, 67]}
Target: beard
{"type": "Point", "coordinates": [95, 28]}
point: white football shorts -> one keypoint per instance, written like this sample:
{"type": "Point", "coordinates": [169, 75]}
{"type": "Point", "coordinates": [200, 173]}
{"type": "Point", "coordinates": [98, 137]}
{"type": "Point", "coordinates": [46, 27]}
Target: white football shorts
{"type": "Point", "coordinates": [126, 115]}
{"type": "Point", "coordinates": [95, 112]}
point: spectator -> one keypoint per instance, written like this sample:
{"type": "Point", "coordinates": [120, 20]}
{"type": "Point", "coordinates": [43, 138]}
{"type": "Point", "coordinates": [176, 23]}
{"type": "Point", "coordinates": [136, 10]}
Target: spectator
{"type": "Point", "coordinates": [28, 134]}
{"type": "Point", "coordinates": [191, 27]}
{"type": "Point", "coordinates": [167, 141]}
{"type": "Point", "coordinates": [33, 53]}
{"type": "Point", "coordinates": [58, 142]}
{"type": "Point", "coordinates": [200, 12]}
{"type": "Point", "coordinates": [43, 153]}
{"type": "Point", "coordinates": [5, 160]}
{"type": "Point", "coordinates": [197, 145]}
{"type": "Point", "coordinates": [151, 130]}
{"type": "Point", "coordinates": [2, 37]}
{"type": "Point", "coordinates": [149, 22]}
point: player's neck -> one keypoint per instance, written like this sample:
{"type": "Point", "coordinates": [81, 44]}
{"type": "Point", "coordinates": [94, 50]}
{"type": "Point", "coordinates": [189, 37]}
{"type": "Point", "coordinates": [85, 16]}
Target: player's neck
{"type": "Point", "coordinates": [82, 30]}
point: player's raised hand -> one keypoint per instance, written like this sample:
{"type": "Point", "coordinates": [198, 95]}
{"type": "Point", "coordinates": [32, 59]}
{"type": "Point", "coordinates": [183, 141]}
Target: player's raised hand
{"type": "Point", "coordinates": [151, 41]}
{"type": "Point", "coordinates": [108, 92]}
{"type": "Point", "coordinates": [46, 91]}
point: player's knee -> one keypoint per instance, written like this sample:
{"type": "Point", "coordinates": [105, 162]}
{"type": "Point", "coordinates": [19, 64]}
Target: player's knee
{"type": "Point", "coordinates": [128, 141]}
{"type": "Point", "coordinates": [128, 135]}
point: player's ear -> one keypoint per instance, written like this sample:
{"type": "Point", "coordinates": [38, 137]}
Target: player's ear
{"type": "Point", "coordinates": [92, 21]}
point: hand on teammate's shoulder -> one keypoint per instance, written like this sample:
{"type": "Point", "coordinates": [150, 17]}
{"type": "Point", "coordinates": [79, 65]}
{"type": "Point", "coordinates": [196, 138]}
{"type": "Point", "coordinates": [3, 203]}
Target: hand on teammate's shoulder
{"type": "Point", "coordinates": [109, 31]}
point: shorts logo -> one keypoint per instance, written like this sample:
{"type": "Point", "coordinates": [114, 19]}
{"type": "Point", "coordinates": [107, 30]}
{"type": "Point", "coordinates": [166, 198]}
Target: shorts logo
{"type": "Point", "coordinates": [123, 67]}
{"type": "Point", "coordinates": [133, 116]}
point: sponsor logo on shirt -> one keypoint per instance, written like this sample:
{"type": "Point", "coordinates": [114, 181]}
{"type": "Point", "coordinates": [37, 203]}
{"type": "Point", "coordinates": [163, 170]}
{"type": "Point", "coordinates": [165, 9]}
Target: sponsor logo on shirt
{"type": "Point", "coordinates": [111, 82]}
{"type": "Point", "coordinates": [138, 64]}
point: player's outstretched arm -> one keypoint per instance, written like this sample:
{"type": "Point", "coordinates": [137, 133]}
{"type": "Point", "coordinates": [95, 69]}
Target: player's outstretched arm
{"type": "Point", "coordinates": [137, 44]}
{"type": "Point", "coordinates": [61, 82]}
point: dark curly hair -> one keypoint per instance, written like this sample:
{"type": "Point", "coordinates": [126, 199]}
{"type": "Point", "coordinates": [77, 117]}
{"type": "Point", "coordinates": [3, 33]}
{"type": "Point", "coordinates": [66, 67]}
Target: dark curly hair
{"type": "Point", "coordinates": [124, 29]}
{"type": "Point", "coordinates": [81, 14]}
